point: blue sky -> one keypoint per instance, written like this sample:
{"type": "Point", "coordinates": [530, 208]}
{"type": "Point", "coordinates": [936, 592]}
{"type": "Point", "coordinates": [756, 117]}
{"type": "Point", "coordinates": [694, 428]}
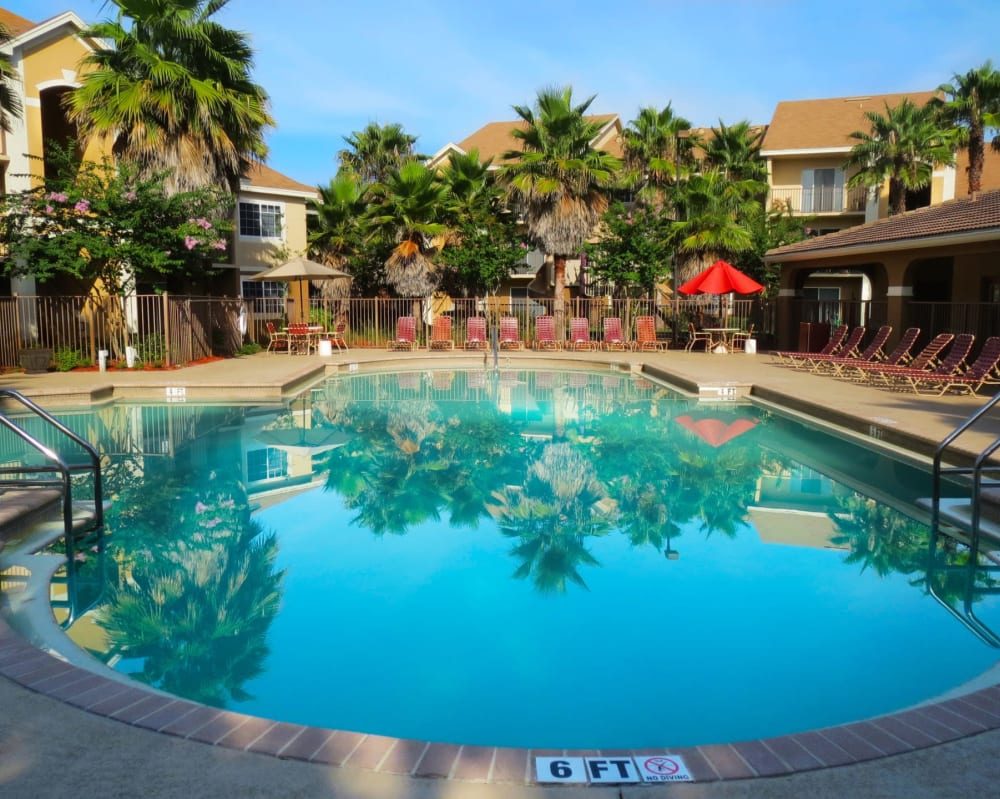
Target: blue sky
{"type": "Point", "coordinates": [443, 68]}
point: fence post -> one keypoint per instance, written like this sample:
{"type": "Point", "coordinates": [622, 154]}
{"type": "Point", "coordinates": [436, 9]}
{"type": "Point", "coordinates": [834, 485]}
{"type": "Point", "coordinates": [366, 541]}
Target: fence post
{"type": "Point", "coordinates": [168, 356]}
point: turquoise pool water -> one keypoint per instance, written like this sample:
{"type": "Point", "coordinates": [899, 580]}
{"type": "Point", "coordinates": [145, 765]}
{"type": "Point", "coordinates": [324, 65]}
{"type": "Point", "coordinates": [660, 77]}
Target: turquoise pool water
{"type": "Point", "coordinates": [544, 559]}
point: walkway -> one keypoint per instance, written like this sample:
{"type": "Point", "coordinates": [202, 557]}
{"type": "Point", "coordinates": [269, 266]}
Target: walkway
{"type": "Point", "coordinates": [49, 748]}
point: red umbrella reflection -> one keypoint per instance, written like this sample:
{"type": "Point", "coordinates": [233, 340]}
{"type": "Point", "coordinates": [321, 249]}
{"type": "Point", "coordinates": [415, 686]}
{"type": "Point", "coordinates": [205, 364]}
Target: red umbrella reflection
{"type": "Point", "coordinates": [721, 278]}
{"type": "Point", "coordinates": [715, 432]}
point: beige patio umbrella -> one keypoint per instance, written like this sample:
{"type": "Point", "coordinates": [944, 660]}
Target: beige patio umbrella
{"type": "Point", "coordinates": [300, 271]}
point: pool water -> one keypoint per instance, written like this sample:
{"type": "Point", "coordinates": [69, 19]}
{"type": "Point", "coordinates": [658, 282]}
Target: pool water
{"type": "Point", "coordinates": [543, 559]}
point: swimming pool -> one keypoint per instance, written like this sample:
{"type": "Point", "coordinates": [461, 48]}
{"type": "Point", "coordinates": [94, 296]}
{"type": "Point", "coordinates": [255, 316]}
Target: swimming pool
{"type": "Point", "coordinates": [536, 559]}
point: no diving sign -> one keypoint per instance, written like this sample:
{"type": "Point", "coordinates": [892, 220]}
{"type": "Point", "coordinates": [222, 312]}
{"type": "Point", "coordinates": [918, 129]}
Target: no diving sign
{"type": "Point", "coordinates": [611, 770]}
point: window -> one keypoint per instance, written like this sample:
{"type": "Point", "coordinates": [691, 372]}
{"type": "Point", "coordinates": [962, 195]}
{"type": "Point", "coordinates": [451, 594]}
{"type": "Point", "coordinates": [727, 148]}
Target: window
{"type": "Point", "coordinates": [822, 190]}
{"type": "Point", "coordinates": [260, 220]}
{"type": "Point", "coordinates": [266, 464]}
{"type": "Point", "coordinates": [266, 297]}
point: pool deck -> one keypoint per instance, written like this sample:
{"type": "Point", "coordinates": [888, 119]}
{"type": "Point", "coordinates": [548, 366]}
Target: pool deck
{"type": "Point", "coordinates": [129, 742]}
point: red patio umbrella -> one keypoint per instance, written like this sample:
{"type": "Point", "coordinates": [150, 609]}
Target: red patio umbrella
{"type": "Point", "coordinates": [721, 278]}
{"type": "Point", "coordinates": [715, 432]}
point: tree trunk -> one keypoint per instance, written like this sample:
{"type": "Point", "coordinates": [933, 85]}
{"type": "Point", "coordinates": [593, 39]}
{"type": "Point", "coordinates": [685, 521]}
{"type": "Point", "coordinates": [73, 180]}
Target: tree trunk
{"type": "Point", "coordinates": [897, 197]}
{"type": "Point", "coordinates": [976, 158]}
{"type": "Point", "coordinates": [559, 305]}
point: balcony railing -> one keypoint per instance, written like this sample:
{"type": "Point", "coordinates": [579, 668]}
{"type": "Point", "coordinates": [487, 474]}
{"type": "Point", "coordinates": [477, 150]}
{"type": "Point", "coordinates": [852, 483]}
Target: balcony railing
{"type": "Point", "coordinates": [819, 199]}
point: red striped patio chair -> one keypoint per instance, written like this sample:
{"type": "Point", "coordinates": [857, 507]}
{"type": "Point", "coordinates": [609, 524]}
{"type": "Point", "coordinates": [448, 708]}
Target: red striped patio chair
{"type": "Point", "coordinates": [852, 369]}
{"type": "Point", "coordinates": [614, 339]}
{"type": "Point", "coordinates": [849, 349]}
{"type": "Point", "coordinates": [984, 371]}
{"type": "Point", "coordinates": [475, 333]}
{"type": "Point", "coordinates": [645, 334]}
{"type": "Point", "coordinates": [787, 357]}
{"type": "Point", "coordinates": [441, 334]}
{"type": "Point", "coordinates": [509, 337]}
{"type": "Point", "coordinates": [926, 360]}
{"type": "Point", "coordinates": [545, 333]}
{"type": "Point", "coordinates": [579, 334]}
{"type": "Point", "coordinates": [406, 334]}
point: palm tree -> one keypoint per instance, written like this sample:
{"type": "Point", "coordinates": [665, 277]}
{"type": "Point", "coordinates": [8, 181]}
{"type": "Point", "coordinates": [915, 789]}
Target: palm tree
{"type": "Point", "coordinates": [412, 203]}
{"type": "Point", "coordinates": [734, 150]}
{"type": "Point", "coordinates": [654, 149]}
{"type": "Point", "coordinates": [559, 178]}
{"type": "Point", "coordinates": [173, 92]}
{"type": "Point", "coordinates": [10, 101]}
{"type": "Point", "coordinates": [470, 183]}
{"type": "Point", "coordinates": [903, 146]}
{"type": "Point", "coordinates": [971, 99]}
{"type": "Point", "coordinates": [376, 151]}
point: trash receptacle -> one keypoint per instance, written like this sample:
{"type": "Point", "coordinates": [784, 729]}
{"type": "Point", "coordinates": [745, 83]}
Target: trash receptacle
{"type": "Point", "coordinates": [750, 346]}
{"type": "Point", "coordinates": [325, 347]}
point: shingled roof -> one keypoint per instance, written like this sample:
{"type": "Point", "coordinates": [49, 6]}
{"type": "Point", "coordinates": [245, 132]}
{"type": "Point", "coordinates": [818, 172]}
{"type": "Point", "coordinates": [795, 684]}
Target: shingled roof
{"type": "Point", "coordinates": [13, 23]}
{"type": "Point", "coordinates": [494, 139]}
{"type": "Point", "coordinates": [826, 124]}
{"type": "Point", "coordinates": [979, 213]}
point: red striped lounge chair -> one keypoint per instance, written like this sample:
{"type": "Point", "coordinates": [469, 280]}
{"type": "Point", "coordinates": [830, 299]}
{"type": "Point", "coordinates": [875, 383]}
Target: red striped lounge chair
{"type": "Point", "coordinates": [926, 361]}
{"type": "Point", "coordinates": [870, 354]}
{"type": "Point", "coordinates": [899, 356]}
{"type": "Point", "coordinates": [849, 349]}
{"type": "Point", "coordinates": [579, 334]}
{"type": "Point", "coordinates": [406, 334]}
{"type": "Point", "coordinates": [509, 337]}
{"type": "Point", "coordinates": [475, 333]}
{"type": "Point", "coordinates": [614, 339]}
{"type": "Point", "coordinates": [787, 357]}
{"type": "Point", "coordinates": [441, 334]}
{"type": "Point", "coordinates": [545, 333]}
{"type": "Point", "coordinates": [645, 334]}
{"type": "Point", "coordinates": [983, 371]}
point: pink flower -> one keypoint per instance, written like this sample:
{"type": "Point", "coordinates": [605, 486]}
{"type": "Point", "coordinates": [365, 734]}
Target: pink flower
{"type": "Point", "coordinates": [49, 210]}
{"type": "Point", "coordinates": [56, 196]}
{"type": "Point", "coordinates": [191, 242]}
{"type": "Point", "coordinates": [82, 206]}
{"type": "Point", "coordinates": [219, 245]}
{"type": "Point", "coordinates": [203, 223]}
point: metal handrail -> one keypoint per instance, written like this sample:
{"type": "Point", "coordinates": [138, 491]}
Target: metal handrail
{"type": "Point", "coordinates": [56, 463]}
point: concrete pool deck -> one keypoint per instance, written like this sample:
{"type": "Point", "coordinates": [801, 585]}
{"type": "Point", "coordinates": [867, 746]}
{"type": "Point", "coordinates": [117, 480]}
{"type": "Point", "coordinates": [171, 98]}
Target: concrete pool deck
{"type": "Point", "coordinates": [50, 748]}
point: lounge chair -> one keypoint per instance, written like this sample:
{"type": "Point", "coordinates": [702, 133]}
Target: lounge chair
{"type": "Point", "coordinates": [985, 370]}
{"type": "Point", "coordinates": [276, 339]}
{"type": "Point", "coordinates": [579, 334]}
{"type": "Point", "coordinates": [832, 346]}
{"type": "Point", "coordinates": [849, 349]}
{"type": "Point", "coordinates": [871, 354]}
{"type": "Point", "coordinates": [951, 365]}
{"type": "Point", "coordinates": [509, 337]}
{"type": "Point", "coordinates": [899, 356]}
{"type": "Point", "coordinates": [475, 333]}
{"type": "Point", "coordinates": [614, 339]}
{"type": "Point", "coordinates": [545, 333]}
{"type": "Point", "coordinates": [406, 334]}
{"type": "Point", "coordinates": [924, 361]}
{"type": "Point", "coordinates": [645, 334]}
{"type": "Point", "coordinates": [696, 337]}
{"type": "Point", "coordinates": [338, 336]}
{"type": "Point", "coordinates": [441, 334]}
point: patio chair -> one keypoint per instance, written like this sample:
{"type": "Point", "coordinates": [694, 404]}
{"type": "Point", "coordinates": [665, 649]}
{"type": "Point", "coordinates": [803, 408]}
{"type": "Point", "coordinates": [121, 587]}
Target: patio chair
{"type": "Point", "coordinates": [696, 336]}
{"type": "Point", "coordinates": [302, 336]}
{"type": "Point", "coordinates": [871, 354]}
{"type": "Point", "coordinates": [741, 338]}
{"type": "Point", "coordinates": [952, 364]}
{"type": "Point", "coordinates": [545, 333]}
{"type": "Point", "coordinates": [276, 339]}
{"type": "Point", "coordinates": [509, 337]}
{"type": "Point", "coordinates": [614, 339]}
{"type": "Point", "coordinates": [899, 356]}
{"type": "Point", "coordinates": [441, 334]}
{"type": "Point", "coordinates": [579, 334]}
{"type": "Point", "coordinates": [983, 371]}
{"type": "Point", "coordinates": [849, 349]}
{"type": "Point", "coordinates": [406, 334]}
{"type": "Point", "coordinates": [338, 336]}
{"type": "Point", "coordinates": [924, 361]}
{"type": "Point", "coordinates": [645, 335]}
{"type": "Point", "coordinates": [832, 346]}
{"type": "Point", "coordinates": [475, 333]}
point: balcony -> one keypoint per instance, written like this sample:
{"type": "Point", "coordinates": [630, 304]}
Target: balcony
{"type": "Point", "coordinates": [818, 199]}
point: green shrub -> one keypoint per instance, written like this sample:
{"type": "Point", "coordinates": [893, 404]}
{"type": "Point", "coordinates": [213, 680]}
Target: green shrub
{"type": "Point", "coordinates": [249, 348]}
{"type": "Point", "coordinates": [150, 348]}
{"type": "Point", "coordinates": [66, 358]}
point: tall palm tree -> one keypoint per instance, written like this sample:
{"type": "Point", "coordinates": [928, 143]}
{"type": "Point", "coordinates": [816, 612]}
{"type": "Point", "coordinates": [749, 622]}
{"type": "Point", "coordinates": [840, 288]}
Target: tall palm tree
{"type": "Point", "coordinates": [654, 149]}
{"type": "Point", "coordinates": [10, 100]}
{"type": "Point", "coordinates": [559, 178]}
{"type": "Point", "coordinates": [969, 101]}
{"type": "Point", "coordinates": [470, 183]}
{"type": "Point", "coordinates": [337, 232]}
{"type": "Point", "coordinates": [734, 150]}
{"type": "Point", "coordinates": [903, 146]}
{"type": "Point", "coordinates": [173, 91]}
{"type": "Point", "coordinates": [373, 153]}
{"type": "Point", "coordinates": [412, 204]}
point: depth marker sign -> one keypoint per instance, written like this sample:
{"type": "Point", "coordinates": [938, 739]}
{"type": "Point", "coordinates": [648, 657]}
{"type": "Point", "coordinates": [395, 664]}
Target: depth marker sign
{"type": "Point", "coordinates": [611, 770]}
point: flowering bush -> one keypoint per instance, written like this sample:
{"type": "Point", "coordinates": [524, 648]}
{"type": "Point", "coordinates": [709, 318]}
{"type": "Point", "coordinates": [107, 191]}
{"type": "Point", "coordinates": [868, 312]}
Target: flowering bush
{"type": "Point", "coordinates": [101, 221]}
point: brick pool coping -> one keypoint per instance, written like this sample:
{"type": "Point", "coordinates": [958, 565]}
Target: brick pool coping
{"type": "Point", "coordinates": [848, 744]}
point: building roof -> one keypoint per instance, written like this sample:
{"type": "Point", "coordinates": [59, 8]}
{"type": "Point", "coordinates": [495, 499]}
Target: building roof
{"type": "Point", "coordinates": [261, 176]}
{"type": "Point", "coordinates": [15, 24]}
{"type": "Point", "coordinates": [494, 139]}
{"type": "Point", "coordinates": [966, 216]}
{"type": "Point", "coordinates": [825, 124]}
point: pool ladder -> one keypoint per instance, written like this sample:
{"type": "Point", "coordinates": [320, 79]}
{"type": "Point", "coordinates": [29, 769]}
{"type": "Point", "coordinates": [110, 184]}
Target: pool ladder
{"type": "Point", "coordinates": [55, 472]}
{"type": "Point", "coordinates": [984, 474]}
